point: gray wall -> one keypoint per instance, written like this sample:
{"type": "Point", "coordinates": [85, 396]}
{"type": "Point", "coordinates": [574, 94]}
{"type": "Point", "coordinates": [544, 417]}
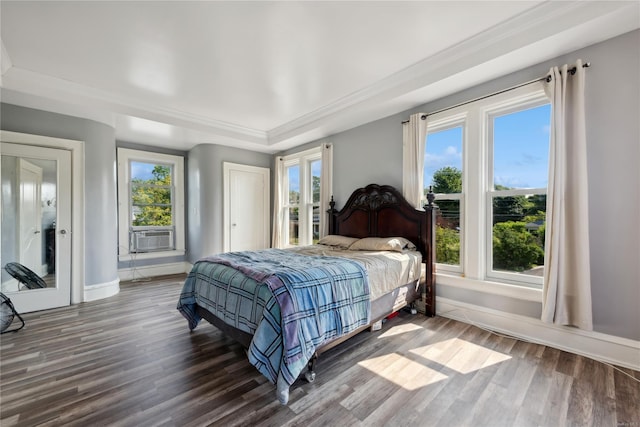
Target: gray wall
{"type": "Point", "coordinates": [205, 194]}
{"type": "Point", "coordinates": [372, 153]}
{"type": "Point", "coordinates": [101, 228]}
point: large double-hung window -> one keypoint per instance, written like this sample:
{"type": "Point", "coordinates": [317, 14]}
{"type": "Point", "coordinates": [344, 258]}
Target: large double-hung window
{"type": "Point", "coordinates": [487, 162]}
{"type": "Point", "coordinates": [302, 198]}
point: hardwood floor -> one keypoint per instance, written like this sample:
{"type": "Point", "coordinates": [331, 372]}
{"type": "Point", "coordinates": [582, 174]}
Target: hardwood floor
{"type": "Point", "coordinates": [130, 360]}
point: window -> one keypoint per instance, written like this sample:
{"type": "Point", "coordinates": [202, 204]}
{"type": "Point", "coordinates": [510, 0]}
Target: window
{"type": "Point", "coordinates": [443, 172]}
{"type": "Point", "coordinates": [302, 187]}
{"type": "Point", "coordinates": [487, 162]}
{"type": "Point", "coordinates": [150, 204]}
{"type": "Point", "coordinates": [151, 195]}
{"type": "Point", "coordinates": [517, 195]}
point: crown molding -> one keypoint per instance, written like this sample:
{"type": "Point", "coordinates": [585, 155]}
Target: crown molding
{"type": "Point", "coordinates": [25, 81]}
{"type": "Point", "coordinates": [534, 36]}
{"type": "Point", "coordinates": [527, 29]}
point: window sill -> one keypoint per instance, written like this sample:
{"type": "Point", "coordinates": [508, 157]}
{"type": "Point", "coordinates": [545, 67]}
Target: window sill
{"type": "Point", "coordinates": [495, 288]}
{"type": "Point", "coordinates": [150, 255]}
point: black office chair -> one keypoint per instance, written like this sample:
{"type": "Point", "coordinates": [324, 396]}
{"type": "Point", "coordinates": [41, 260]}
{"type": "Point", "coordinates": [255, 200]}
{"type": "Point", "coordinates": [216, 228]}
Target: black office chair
{"type": "Point", "coordinates": [7, 314]}
{"type": "Point", "coordinates": [25, 276]}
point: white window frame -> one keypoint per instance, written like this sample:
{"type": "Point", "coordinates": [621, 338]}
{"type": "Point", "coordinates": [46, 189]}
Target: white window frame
{"type": "Point", "coordinates": [125, 157]}
{"type": "Point", "coordinates": [509, 106]}
{"type": "Point", "coordinates": [475, 271]}
{"type": "Point", "coordinates": [305, 204]}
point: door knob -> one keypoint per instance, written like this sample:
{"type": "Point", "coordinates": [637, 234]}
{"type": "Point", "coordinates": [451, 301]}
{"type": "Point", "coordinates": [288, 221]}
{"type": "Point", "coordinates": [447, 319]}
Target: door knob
{"type": "Point", "coordinates": [63, 231]}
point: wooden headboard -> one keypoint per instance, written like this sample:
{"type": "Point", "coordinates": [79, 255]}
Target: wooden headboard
{"type": "Point", "coordinates": [382, 211]}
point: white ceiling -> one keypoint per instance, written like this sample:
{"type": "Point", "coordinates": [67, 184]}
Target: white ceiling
{"type": "Point", "coordinates": [268, 76]}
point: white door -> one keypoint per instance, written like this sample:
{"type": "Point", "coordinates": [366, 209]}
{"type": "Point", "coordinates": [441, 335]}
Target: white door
{"type": "Point", "coordinates": [43, 223]}
{"type": "Point", "coordinates": [246, 206]}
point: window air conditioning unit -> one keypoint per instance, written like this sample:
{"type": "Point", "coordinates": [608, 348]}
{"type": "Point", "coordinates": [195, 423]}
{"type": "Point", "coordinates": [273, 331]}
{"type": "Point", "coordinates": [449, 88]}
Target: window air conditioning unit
{"type": "Point", "coordinates": [151, 240]}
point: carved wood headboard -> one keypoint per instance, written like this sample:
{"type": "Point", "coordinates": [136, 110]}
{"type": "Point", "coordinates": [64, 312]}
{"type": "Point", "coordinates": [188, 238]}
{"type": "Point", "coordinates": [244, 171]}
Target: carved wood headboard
{"type": "Point", "coordinates": [379, 211]}
{"type": "Point", "coordinates": [382, 211]}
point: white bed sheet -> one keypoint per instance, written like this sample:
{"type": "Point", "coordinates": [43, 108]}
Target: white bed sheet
{"type": "Point", "coordinates": [387, 270]}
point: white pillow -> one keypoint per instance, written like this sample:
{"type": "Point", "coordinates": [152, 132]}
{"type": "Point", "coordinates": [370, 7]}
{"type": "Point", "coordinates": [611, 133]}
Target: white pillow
{"type": "Point", "coordinates": [342, 242]}
{"type": "Point", "coordinates": [397, 244]}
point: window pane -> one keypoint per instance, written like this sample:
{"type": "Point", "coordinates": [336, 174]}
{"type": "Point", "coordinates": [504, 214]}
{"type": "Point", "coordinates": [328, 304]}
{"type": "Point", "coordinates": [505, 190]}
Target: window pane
{"type": "Point", "coordinates": [150, 173]}
{"type": "Point", "coordinates": [443, 161]}
{"type": "Point", "coordinates": [294, 237]}
{"type": "Point", "coordinates": [448, 232]}
{"type": "Point", "coordinates": [518, 234]}
{"type": "Point", "coordinates": [521, 148]}
{"type": "Point", "coordinates": [316, 225]}
{"type": "Point", "coordinates": [315, 180]}
{"type": "Point", "coordinates": [151, 194]}
{"type": "Point", "coordinates": [151, 216]}
{"type": "Point", "coordinates": [293, 175]}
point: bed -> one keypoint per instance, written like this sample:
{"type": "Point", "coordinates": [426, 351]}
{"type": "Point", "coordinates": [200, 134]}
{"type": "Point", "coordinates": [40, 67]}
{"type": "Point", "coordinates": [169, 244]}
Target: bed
{"type": "Point", "coordinates": [286, 306]}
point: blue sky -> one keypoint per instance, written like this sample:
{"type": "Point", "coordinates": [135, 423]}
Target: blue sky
{"type": "Point", "coordinates": [294, 175]}
{"type": "Point", "coordinates": [142, 170]}
{"type": "Point", "coordinates": [521, 144]}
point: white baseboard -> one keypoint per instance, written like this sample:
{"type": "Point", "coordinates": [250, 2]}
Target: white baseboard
{"type": "Point", "coordinates": [595, 345]}
{"type": "Point", "coordinates": [145, 271]}
{"type": "Point", "coordinates": [101, 290]}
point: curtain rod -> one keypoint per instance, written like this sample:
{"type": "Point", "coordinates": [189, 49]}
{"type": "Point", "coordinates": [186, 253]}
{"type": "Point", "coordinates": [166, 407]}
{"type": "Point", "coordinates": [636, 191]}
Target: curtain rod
{"type": "Point", "coordinates": [546, 78]}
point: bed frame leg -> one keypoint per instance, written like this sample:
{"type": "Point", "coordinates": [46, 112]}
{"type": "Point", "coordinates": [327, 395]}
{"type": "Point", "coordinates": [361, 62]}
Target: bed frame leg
{"type": "Point", "coordinates": [411, 308]}
{"type": "Point", "coordinates": [310, 375]}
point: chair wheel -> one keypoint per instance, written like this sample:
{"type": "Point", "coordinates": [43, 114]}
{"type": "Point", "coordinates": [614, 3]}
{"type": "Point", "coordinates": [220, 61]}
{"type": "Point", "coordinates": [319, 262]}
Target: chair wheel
{"type": "Point", "coordinates": [310, 376]}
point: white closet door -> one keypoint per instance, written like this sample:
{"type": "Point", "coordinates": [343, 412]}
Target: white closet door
{"type": "Point", "coordinates": [246, 207]}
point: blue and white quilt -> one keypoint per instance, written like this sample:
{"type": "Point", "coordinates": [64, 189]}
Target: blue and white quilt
{"type": "Point", "coordinates": [291, 303]}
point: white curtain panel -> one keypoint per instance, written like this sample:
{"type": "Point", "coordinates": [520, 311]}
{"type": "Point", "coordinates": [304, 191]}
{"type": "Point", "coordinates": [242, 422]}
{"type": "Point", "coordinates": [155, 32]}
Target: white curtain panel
{"type": "Point", "coordinates": [278, 205]}
{"type": "Point", "coordinates": [326, 186]}
{"type": "Point", "coordinates": [414, 135]}
{"type": "Point", "coordinates": [567, 278]}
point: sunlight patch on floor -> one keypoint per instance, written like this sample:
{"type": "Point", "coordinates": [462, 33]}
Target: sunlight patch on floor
{"type": "Point", "coordinates": [460, 355]}
{"type": "Point", "coordinates": [402, 371]}
{"type": "Point", "coordinates": [400, 329]}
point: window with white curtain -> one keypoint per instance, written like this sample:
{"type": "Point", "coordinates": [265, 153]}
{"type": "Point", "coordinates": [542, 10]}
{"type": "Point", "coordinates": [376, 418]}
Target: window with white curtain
{"type": "Point", "coordinates": [302, 173]}
{"type": "Point", "coordinates": [487, 162]}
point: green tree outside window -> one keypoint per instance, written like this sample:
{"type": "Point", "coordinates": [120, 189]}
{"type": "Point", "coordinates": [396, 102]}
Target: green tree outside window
{"type": "Point", "coordinates": [151, 198]}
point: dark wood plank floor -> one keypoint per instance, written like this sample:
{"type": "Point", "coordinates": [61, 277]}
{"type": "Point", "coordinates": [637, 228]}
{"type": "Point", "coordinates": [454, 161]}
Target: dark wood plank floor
{"type": "Point", "coordinates": [130, 360]}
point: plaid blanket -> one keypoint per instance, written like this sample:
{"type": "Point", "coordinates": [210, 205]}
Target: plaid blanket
{"type": "Point", "coordinates": [292, 303]}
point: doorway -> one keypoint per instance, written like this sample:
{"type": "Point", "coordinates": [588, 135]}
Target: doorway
{"type": "Point", "coordinates": [246, 207]}
{"type": "Point", "coordinates": [36, 223]}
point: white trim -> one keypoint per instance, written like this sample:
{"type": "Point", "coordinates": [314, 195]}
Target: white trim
{"type": "Point", "coordinates": [150, 255]}
{"type": "Point", "coordinates": [43, 85]}
{"type": "Point", "coordinates": [606, 348]}
{"type": "Point", "coordinates": [77, 196]}
{"type": "Point", "coordinates": [132, 273]}
{"type": "Point", "coordinates": [521, 292]}
{"type": "Point", "coordinates": [101, 290]}
{"type": "Point", "coordinates": [489, 51]}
